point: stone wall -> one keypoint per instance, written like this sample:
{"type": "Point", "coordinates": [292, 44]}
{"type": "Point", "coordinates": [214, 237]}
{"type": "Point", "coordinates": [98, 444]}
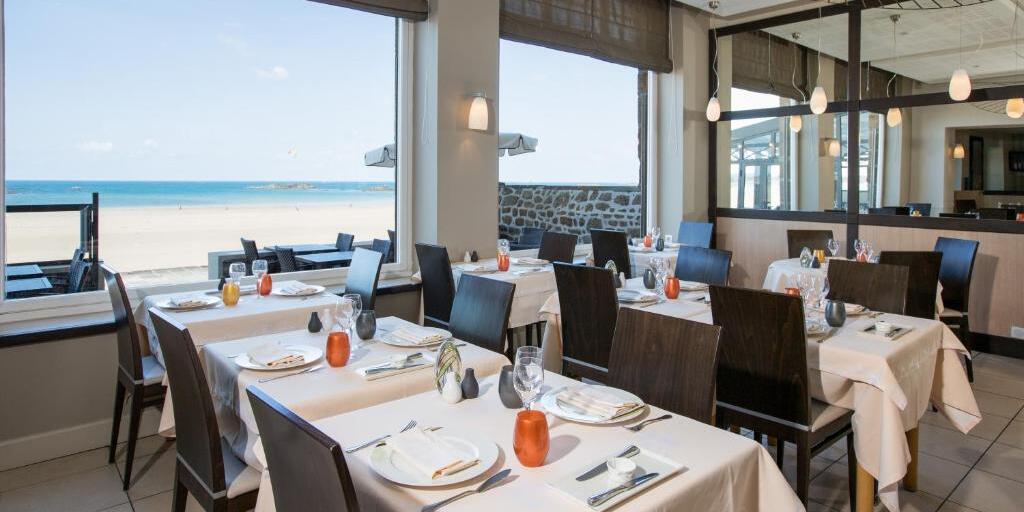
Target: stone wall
{"type": "Point", "coordinates": [568, 209]}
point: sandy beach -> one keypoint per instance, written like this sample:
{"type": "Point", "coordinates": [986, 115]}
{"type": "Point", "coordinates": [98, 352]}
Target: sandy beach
{"type": "Point", "coordinates": [174, 241]}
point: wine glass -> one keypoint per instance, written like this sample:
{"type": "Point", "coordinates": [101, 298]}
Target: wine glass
{"type": "Point", "coordinates": [833, 247]}
{"type": "Point", "coordinates": [528, 378]}
{"type": "Point", "coordinates": [660, 273]}
{"type": "Point", "coordinates": [259, 269]}
{"type": "Point", "coordinates": [343, 309]}
{"type": "Point", "coordinates": [656, 232]}
{"type": "Point", "coordinates": [357, 306]}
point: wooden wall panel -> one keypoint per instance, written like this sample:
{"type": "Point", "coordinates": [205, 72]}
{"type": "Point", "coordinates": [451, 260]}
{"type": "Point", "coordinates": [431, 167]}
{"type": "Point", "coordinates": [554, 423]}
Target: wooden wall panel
{"type": "Point", "coordinates": [756, 243]}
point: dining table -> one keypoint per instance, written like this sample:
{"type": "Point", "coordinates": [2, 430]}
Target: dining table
{"type": "Point", "coordinates": [718, 470]}
{"type": "Point", "coordinates": [325, 390]}
{"type": "Point", "coordinates": [641, 257]}
{"type": "Point", "coordinates": [329, 259]}
{"type": "Point", "coordinates": [888, 384]}
{"type": "Point", "coordinates": [302, 249]}
{"type": "Point", "coordinates": [26, 287]}
{"type": "Point", "coordinates": [534, 283]}
{"type": "Point", "coordinates": [27, 271]}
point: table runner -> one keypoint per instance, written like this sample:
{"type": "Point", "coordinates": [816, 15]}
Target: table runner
{"type": "Point", "coordinates": [723, 471]}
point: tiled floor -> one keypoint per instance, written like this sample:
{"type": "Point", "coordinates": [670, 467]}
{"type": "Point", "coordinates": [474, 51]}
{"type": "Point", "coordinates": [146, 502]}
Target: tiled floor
{"type": "Point", "coordinates": [983, 471]}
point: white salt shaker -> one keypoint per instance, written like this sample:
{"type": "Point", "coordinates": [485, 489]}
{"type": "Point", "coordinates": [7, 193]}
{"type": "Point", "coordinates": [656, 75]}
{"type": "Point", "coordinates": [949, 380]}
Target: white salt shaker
{"type": "Point", "coordinates": [467, 258]}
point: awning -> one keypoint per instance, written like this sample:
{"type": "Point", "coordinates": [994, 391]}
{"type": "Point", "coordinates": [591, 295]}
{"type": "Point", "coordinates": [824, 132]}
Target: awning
{"type": "Point", "coordinates": [515, 144]}
{"type": "Point", "coordinates": [384, 156]}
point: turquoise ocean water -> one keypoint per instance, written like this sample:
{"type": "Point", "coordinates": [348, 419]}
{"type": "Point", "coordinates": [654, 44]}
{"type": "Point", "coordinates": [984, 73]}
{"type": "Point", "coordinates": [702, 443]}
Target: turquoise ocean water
{"type": "Point", "coordinates": [115, 194]}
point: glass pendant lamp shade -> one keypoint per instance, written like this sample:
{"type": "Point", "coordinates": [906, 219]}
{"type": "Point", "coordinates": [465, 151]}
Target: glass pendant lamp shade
{"type": "Point", "coordinates": [958, 151]}
{"type": "Point", "coordinates": [1015, 107]}
{"type": "Point", "coordinates": [714, 111]}
{"type": "Point", "coordinates": [819, 101]}
{"type": "Point", "coordinates": [893, 117]}
{"type": "Point", "coordinates": [960, 85]}
{"type": "Point", "coordinates": [478, 115]}
{"type": "Point", "coordinates": [796, 123]}
{"type": "Point", "coordinates": [833, 148]}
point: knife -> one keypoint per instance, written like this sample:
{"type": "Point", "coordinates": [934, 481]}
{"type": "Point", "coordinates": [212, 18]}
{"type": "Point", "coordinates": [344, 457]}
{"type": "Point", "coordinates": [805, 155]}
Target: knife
{"type": "Point", "coordinates": [598, 499]}
{"type": "Point", "coordinates": [602, 467]}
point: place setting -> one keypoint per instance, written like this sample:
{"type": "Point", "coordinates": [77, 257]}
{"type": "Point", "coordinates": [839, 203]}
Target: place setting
{"type": "Point", "coordinates": [298, 289]}
{"type": "Point", "coordinates": [189, 303]}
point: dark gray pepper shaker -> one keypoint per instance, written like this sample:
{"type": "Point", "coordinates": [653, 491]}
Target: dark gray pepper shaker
{"type": "Point", "coordinates": [366, 324]}
{"type": "Point", "coordinates": [660, 244]}
{"type": "Point", "coordinates": [650, 279]}
{"type": "Point", "coordinates": [314, 325]}
{"type": "Point", "coordinates": [835, 313]}
{"type": "Point", "coordinates": [507, 389]}
{"type": "Point", "coordinates": [470, 387]}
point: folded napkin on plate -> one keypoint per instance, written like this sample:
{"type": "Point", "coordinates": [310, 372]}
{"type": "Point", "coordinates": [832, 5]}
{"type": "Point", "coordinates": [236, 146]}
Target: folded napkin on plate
{"type": "Point", "coordinates": [692, 286]}
{"type": "Point", "coordinates": [596, 402]}
{"type": "Point", "coordinates": [635, 296]}
{"type": "Point", "coordinates": [477, 268]}
{"type": "Point", "coordinates": [271, 355]}
{"type": "Point", "coordinates": [417, 335]}
{"type": "Point", "coordinates": [298, 288]}
{"type": "Point", "coordinates": [187, 301]}
{"type": "Point", "coordinates": [851, 309]}
{"type": "Point", "coordinates": [429, 453]}
{"type": "Point", "coordinates": [532, 261]}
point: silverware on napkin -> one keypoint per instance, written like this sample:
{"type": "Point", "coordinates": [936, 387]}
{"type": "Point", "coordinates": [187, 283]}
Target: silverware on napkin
{"type": "Point", "coordinates": [598, 499]}
{"type": "Point", "coordinates": [490, 482]}
{"type": "Point", "coordinates": [399, 365]}
{"type": "Point", "coordinates": [409, 425]}
{"type": "Point", "coordinates": [311, 369]}
{"type": "Point", "coordinates": [602, 467]}
{"type": "Point", "coordinates": [640, 426]}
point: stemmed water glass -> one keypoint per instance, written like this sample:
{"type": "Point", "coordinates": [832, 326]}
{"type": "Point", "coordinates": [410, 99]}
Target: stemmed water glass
{"type": "Point", "coordinates": [833, 247]}
{"type": "Point", "coordinates": [357, 307]}
{"type": "Point", "coordinates": [259, 269]}
{"type": "Point", "coordinates": [660, 267]}
{"type": "Point", "coordinates": [343, 310]}
{"type": "Point", "coordinates": [528, 374]}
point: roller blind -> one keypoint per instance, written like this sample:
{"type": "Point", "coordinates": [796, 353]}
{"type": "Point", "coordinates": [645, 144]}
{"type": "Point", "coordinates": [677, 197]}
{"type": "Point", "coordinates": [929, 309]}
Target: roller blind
{"type": "Point", "coordinates": [873, 82]}
{"type": "Point", "coordinates": [630, 32]}
{"type": "Point", "coordinates": [781, 71]}
{"type": "Point", "coordinates": [415, 10]}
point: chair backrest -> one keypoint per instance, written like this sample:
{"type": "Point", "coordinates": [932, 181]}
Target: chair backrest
{"type": "Point", "coordinates": [959, 215]}
{"type": "Point", "coordinates": [890, 210]}
{"type": "Point", "coordinates": [924, 208]}
{"type": "Point", "coordinates": [702, 265]}
{"type": "Point", "coordinates": [286, 259]}
{"type": "Point", "coordinates": [676, 368]}
{"type": "Point", "coordinates": [390, 256]}
{"type": "Point", "coordinates": [560, 247]}
{"type": "Point", "coordinates": [310, 473]}
{"type": "Point", "coordinates": [875, 286]}
{"type": "Point", "coordinates": [956, 270]}
{"type": "Point", "coordinates": [344, 242]}
{"type": "Point", "coordinates": [438, 284]}
{"type": "Point", "coordinates": [611, 245]}
{"type": "Point", "coordinates": [589, 307]}
{"type": "Point", "coordinates": [252, 253]}
{"type": "Point", "coordinates": [480, 311]}
{"type": "Point", "coordinates": [762, 353]}
{"type": "Point", "coordinates": [964, 205]}
{"type": "Point", "coordinates": [78, 272]}
{"type": "Point", "coordinates": [923, 279]}
{"type": "Point", "coordinates": [129, 352]}
{"type": "Point", "coordinates": [381, 246]}
{"type": "Point", "coordinates": [995, 213]}
{"type": "Point", "coordinates": [195, 424]}
{"type": "Point", "coordinates": [531, 237]}
{"type": "Point", "coordinates": [813, 239]}
{"type": "Point", "coordinates": [363, 275]}
{"type": "Point", "coordinates": [696, 234]}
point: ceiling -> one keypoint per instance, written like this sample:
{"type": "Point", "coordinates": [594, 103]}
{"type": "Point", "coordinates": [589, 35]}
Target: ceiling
{"type": "Point", "coordinates": [730, 8]}
{"type": "Point", "coordinates": [927, 42]}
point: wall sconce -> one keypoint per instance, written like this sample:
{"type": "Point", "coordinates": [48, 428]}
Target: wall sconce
{"type": "Point", "coordinates": [831, 147]}
{"type": "Point", "coordinates": [958, 151]}
{"type": "Point", "coordinates": [479, 119]}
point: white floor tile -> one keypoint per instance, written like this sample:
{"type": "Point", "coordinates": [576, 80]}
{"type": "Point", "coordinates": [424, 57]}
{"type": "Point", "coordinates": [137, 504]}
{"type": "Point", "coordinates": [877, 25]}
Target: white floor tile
{"type": "Point", "coordinates": [990, 403]}
{"type": "Point", "coordinates": [1004, 366]}
{"type": "Point", "coordinates": [950, 445]}
{"type": "Point", "coordinates": [88, 491]}
{"type": "Point", "coordinates": [51, 469]}
{"type": "Point", "coordinates": [988, 428]}
{"type": "Point", "coordinates": [1013, 435]}
{"type": "Point", "coordinates": [153, 474]}
{"type": "Point", "coordinates": [998, 384]}
{"type": "Point", "coordinates": [162, 503]}
{"type": "Point", "coordinates": [986, 492]}
{"type": "Point", "coordinates": [1004, 460]}
{"type": "Point", "coordinates": [949, 506]}
{"type": "Point", "coordinates": [938, 477]}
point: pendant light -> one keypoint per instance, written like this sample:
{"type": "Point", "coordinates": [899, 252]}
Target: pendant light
{"type": "Point", "coordinates": [819, 100]}
{"type": "Point", "coordinates": [796, 123]}
{"type": "Point", "coordinates": [714, 110]}
{"type": "Point", "coordinates": [958, 151]}
{"type": "Point", "coordinates": [960, 82]}
{"type": "Point", "coordinates": [1015, 106]}
{"type": "Point", "coordinates": [893, 117]}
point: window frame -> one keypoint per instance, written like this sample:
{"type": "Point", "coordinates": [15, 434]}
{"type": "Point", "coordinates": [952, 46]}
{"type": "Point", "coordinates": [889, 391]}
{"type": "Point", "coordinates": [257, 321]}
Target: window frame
{"type": "Point", "coordinates": [71, 305]}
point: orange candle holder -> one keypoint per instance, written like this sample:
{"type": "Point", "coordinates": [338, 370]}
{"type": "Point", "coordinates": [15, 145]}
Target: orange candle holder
{"type": "Point", "coordinates": [795, 292]}
{"type": "Point", "coordinates": [648, 240]}
{"type": "Point", "coordinates": [672, 287]}
{"type": "Point", "coordinates": [1020, 216]}
{"type": "Point", "coordinates": [820, 255]}
{"type": "Point", "coordinates": [266, 285]}
{"type": "Point", "coordinates": [338, 349]}
{"type": "Point", "coordinates": [531, 439]}
{"type": "Point", "coordinates": [504, 260]}
{"type": "Point", "coordinates": [230, 293]}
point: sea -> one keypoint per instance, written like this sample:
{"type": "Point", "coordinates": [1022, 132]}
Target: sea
{"type": "Point", "coordinates": [115, 194]}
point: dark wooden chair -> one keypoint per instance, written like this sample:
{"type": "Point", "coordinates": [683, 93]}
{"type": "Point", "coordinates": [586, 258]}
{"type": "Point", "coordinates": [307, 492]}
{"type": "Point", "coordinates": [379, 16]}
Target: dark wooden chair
{"type": "Point", "coordinates": [763, 381]}
{"type": "Point", "coordinates": [205, 467]}
{"type": "Point", "coordinates": [560, 247]}
{"type": "Point", "coordinates": [286, 259]}
{"type": "Point", "coordinates": [702, 265]}
{"type": "Point", "coordinates": [480, 312]}
{"type": "Point", "coordinates": [955, 275]}
{"type": "Point", "coordinates": [140, 376]}
{"type": "Point", "coordinates": [610, 245]}
{"type": "Point", "coordinates": [696, 234]}
{"type": "Point", "coordinates": [924, 208]}
{"type": "Point", "coordinates": [675, 369]}
{"type": "Point", "coordinates": [308, 470]}
{"type": "Point", "coordinates": [252, 253]}
{"type": "Point", "coordinates": [923, 279]}
{"type": "Point", "coordinates": [393, 238]}
{"type": "Point", "coordinates": [797, 239]}
{"type": "Point", "coordinates": [530, 238]}
{"type": "Point", "coordinates": [344, 242]}
{"type": "Point", "coordinates": [965, 205]}
{"type": "Point", "coordinates": [875, 286]}
{"type": "Point", "coordinates": [996, 213]}
{"type": "Point", "coordinates": [589, 306]}
{"type": "Point", "coordinates": [79, 272]}
{"type": "Point", "coordinates": [363, 275]}
{"type": "Point", "coordinates": [381, 246]}
{"type": "Point", "coordinates": [438, 285]}
{"type": "Point", "coordinates": [890, 210]}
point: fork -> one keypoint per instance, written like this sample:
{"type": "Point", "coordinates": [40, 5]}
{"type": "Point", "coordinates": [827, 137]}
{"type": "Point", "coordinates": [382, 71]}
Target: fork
{"type": "Point", "coordinates": [411, 424]}
{"type": "Point", "coordinates": [640, 426]}
{"type": "Point", "coordinates": [311, 369]}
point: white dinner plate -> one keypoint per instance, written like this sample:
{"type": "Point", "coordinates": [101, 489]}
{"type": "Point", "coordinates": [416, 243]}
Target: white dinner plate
{"type": "Point", "coordinates": [392, 466]}
{"type": "Point", "coordinates": [815, 328]}
{"type": "Point", "coordinates": [311, 290]}
{"type": "Point", "coordinates": [309, 355]}
{"type": "Point", "coordinates": [204, 302]}
{"type": "Point", "coordinates": [397, 342]}
{"type": "Point", "coordinates": [551, 405]}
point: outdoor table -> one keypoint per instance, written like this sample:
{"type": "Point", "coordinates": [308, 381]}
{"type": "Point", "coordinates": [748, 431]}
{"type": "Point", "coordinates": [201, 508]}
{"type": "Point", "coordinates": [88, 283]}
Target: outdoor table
{"type": "Point", "coordinates": [301, 249]}
{"type": "Point", "coordinates": [23, 272]}
{"type": "Point", "coordinates": [326, 259]}
{"type": "Point", "coordinates": [22, 287]}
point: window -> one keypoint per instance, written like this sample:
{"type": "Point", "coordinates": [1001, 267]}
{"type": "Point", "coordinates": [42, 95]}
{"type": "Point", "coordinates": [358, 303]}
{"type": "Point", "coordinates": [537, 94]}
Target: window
{"type": "Point", "coordinates": [586, 170]}
{"type": "Point", "coordinates": [196, 124]}
{"type": "Point", "coordinates": [868, 157]}
{"type": "Point", "coordinates": [759, 175]}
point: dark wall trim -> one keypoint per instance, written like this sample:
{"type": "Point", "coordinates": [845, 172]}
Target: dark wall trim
{"type": "Point", "coordinates": [947, 223]}
{"type": "Point", "coordinates": [784, 215]}
{"type": "Point", "coordinates": [1004, 192]}
{"type": "Point", "coordinates": [35, 335]}
{"type": "Point", "coordinates": [998, 345]}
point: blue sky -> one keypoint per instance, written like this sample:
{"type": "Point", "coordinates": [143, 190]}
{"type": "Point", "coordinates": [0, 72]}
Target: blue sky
{"type": "Point", "coordinates": [268, 90]}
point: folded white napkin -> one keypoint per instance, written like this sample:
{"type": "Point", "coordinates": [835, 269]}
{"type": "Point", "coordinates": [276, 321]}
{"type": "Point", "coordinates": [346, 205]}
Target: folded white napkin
{"type": "Point", "coordinates": [271, 355]}
{"type": "Point", "coordinates": [473, 269]}
{"type": "Point", "coordinates": [187, 301]}
{"type": "Point", "coordinates": [635, 296]}
{"type": "Point", "coordinates": [596, 402]}
{"type": "Point", "coordinates": [429, 453]}
{"type": "Point", "coordinates": [417, 335]}
{"type": "Point", "coordinates": [692, 286]}
{"type": "Point", "coordinates": [394, 366]}
{"type": "Point", "coordinates": [851, 309]}
{"type": "Point", "coordinates": [532, 261]}
{"type": "Point", "coordinates": [299, 288]}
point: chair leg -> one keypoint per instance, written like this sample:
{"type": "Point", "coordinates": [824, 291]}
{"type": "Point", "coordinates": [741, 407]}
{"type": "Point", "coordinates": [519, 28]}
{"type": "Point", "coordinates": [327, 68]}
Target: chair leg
{"type": "Point", "coordinates": [865, 491]}
{"type": "Point", "coordinates": [803, 467]}
{"type": "Point", "coordinates": [851, 470]}
{"type": "Point", "coordinates": [965, 338]}
{"type": "Point", "coordinates": [539, 326]}
{"type": "Point", "coordinates": [910, 480]}
{"type": "Point", "coordinates": [780, 451]}
{"type": "Point", "coordinates": [133, 434]}
{"type": "Point", "coordinates": [180, 497]}
{"type": "Point", "coordinates": [115, 427]}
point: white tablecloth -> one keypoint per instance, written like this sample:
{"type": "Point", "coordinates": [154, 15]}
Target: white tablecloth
{"type": "Point", "coordinates": [783, 274]}
{"type": "Point", "coordinates": [887, 384]}
{"type": "Point", "coordinates": [723, 471]}
{"type": "Point", "coordinates": [322, 393]}
{"type": "Point", "coordinates": [533, 286]}
{"type": "Point", "coordinates": [640, 260]}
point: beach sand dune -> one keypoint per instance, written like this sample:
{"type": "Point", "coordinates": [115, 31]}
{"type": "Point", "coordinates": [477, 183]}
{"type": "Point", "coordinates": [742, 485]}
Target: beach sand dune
{"type": "Point", "coordinates": [141, 240]}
